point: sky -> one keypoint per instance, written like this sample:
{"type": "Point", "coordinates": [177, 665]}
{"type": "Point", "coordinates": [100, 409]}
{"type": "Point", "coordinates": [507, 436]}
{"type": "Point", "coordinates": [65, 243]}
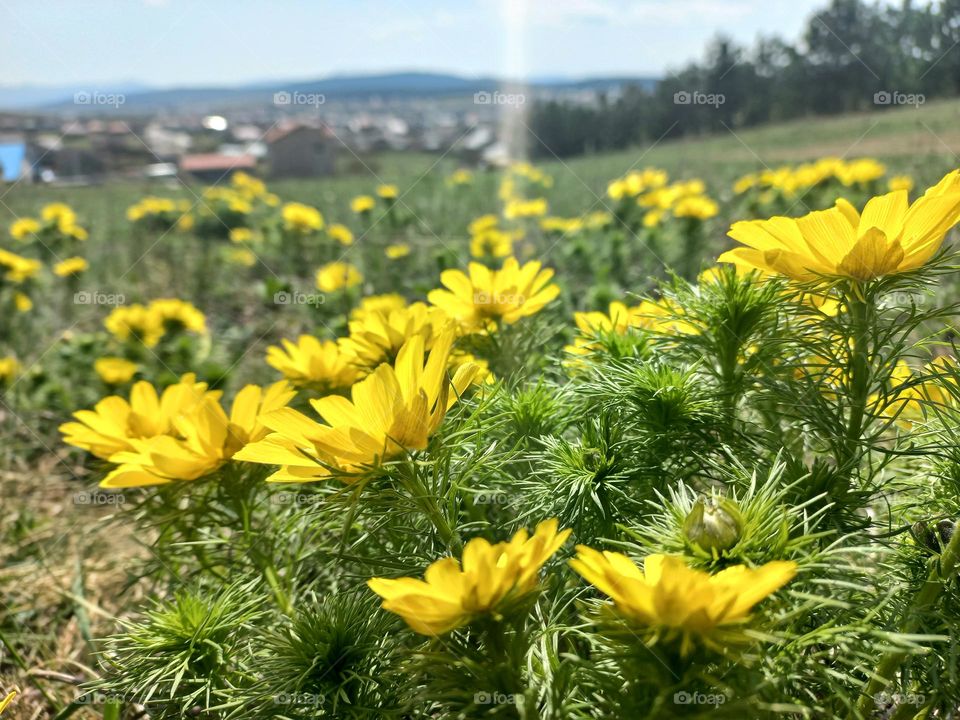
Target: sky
{"type": "Point", "coordinates": [167, 43]}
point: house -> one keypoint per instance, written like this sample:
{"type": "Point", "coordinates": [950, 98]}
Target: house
{"type": "Point", "coordinates": [16, 160]}
{"type": "Point", "coordinates": [300, 151]}
{"type": "Point", "coordinates": [165, 142]}
{"type": "Point", "coordinates": [213, 167]}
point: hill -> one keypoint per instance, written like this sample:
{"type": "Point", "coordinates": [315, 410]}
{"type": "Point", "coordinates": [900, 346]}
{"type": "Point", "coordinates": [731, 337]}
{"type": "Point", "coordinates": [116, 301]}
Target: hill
{"type": "Point", "coordinates": [401, 85]}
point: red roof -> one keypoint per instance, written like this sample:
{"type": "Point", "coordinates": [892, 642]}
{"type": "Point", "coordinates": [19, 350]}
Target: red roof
{"type": "Point", "coordinates": [278, 132]}
{"type": "Point", "coordinates": [216, 161]}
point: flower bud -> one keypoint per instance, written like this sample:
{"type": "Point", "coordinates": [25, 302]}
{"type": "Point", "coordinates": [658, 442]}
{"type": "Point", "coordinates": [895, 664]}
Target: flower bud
{"type": "Point", "coordinates": [933, 538]}
{"type": "Point", "coordinates": [713, 525]}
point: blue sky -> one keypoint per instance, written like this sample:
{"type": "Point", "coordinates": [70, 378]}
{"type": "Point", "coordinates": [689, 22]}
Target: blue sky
{"type": "Point", "coordinates": [225, 42]}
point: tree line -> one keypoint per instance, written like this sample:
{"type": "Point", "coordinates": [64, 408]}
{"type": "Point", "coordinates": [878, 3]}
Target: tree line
{"type": "Point", "coordinates": [851, 56]}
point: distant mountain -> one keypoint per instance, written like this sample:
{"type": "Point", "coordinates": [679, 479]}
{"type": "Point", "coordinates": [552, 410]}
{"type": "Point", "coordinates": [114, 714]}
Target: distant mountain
{"type": "Point", "coordinates": [31, 97]}
{"type": "Point", "coordinates": [403, 85]}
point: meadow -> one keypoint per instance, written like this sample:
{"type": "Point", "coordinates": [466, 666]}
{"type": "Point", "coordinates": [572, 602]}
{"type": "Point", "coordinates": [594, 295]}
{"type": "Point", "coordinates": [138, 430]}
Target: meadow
{"type": "Point", "coordinates": [241, 422]}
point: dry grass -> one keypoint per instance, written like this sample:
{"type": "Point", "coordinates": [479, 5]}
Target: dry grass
{"type": "Point", "coordinates": [63, 575]}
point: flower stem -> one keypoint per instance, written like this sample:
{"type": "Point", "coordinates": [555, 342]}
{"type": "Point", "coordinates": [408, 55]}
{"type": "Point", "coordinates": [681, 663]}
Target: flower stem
{"type": "Point", "coordinates": [419, 493]}
{"type": "Point", "coordinates": [859, 375]}
{"type": "Point", "coordinates": [941, 573]}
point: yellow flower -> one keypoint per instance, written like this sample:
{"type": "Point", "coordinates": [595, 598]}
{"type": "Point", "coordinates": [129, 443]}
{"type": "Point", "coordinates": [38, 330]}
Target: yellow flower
{"type": "Point", "coordinates": [900, 182]}
{"type": "Point", "coordinates": [508, 294]}
{"type": "Point", "coordinates": [677, 600]}
{"type": "Point", "coordinates": [22, 302]}
{"type": "Point", "coordinates": [241, 235]}
{"type": "Point", "coordinates": [652, 218]}
{"type": "Point", "coordinates": [636, 182]}
{"type": "Point", "coordinates": [889, 237]}
{"type": "Point", "coordinates": [941, 389]}
{"type": "Point", "coordinates": [18, 268]}
{"type": "Point", "coordinates": [241, 256]}
{"type": "Point", "coordinates": [362, 204]}
{"type": "Point", "coordinates": [248, 185]}
{"type": "Point", "coordinates": [378, 303]}
{"type": "Point", "coordinates": [648, 315]}
{"type": "Point", "coordinates": [593, 325]}
{"type": "Point", "coordinates": [483, 223]}
{"type": "Point", "coordinates": [134, 321]}
{"type": "Point", "coordinates": [387, 192]}
{"type": "Point", "coordinates": [620, 319]}
{"type": "Point", "coordinates": [9, 367]}
{"type": "Point", "coordinates": [185, 223]}
{"type": "Point", "coordinates": [74, 231]}
{"type": "Point", "coordinates": [58, 213]}
{"type": "Point", "coordinates": [378, 336]}
{"type": "Point", "coordinates": [340, 233]}
{"type": "Point", "coordinates": [525, 208]}
{"type": "Point", "coordinates": [338, 276]}
{"type": "Point", "coordinates": [397, 251]}
{"type": "Point", "coordinates": [745, 183]}
{"type": "Point", "coordinates": [491, 243]}
{"type": "Point", "coordinates": [7, 700]}
{"type": "Point", "coordinates": [300, 218]}
{"type": "Point", "coordinates": [665, 198]}
{"type": "Point", "coordinates": [152, 207]}
{"type": "Point", "coordinates": [317, 364]}
{"type": "Point", "coordinates": [563, 226]}
{"type": "Point", "coordinates": [114, 423]}
{"type": "Point", "coordinates": [239, 205]}
{"type": "Point", "coordinates": [528, 171]}
{"type": "Point", "coordinates": [205, 438]}
{"type": "Point", "coordinates": [698, 207]}
{"type": "Point", "coordinates": [450, 596]}
{"type": "Point", "coordinates": [394, 409]}
{"type": "Point", "coordinates": [908, 400]}
{"type": "Point", "coordinates": [174, 314]}
{"type": "Point", "coordinates": [617, 190]}
{"type": "Point", "coordinates": [460, 177]}
{"type": "Point", "coordinates": [24, 228]}
{"type": "Point", "coordinates": [597, 219]}
{"type": "Point", "coordinates": [70, 266]}
{"type": "Point", "coordinates": [149, 323]}
{"type": "Point", "coordinates": [858, 172]}
{"type": "Point", "coordinates": [115, 370]}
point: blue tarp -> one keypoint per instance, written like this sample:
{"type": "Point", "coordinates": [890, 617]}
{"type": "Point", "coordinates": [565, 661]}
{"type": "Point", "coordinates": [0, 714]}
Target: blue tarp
{"type": "Point", "coordinates": [12, 156]}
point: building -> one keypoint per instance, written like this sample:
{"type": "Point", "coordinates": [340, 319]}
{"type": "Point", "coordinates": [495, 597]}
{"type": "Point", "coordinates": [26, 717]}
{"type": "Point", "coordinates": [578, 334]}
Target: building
{"type": "Point", "coordinates": [300, 151]}
{"type": "Point", "coordinates": [165, 142]}
{"type": "Point", "coordinates": [214, 167]}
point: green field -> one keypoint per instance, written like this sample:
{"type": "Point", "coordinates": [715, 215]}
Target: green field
{"type": "Point", "coordinates": [142, 265]}
{"type": "Point", "coordinates": [599, 442]}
